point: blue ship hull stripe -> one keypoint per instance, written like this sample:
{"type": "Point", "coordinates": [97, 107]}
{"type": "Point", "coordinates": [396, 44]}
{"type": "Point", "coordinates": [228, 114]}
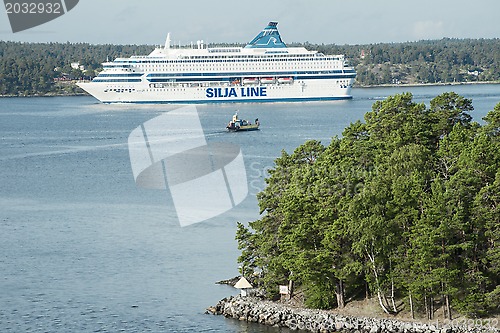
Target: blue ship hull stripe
{"type": "Point", "coordinates": [260, 100]}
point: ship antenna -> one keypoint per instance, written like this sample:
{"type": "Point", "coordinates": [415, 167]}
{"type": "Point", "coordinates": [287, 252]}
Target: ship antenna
{"type": "Point", "coordinates": [167, 42]}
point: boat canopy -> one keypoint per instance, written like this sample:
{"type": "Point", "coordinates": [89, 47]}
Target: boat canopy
{"type": "Point", "coordinates": [267, 38]}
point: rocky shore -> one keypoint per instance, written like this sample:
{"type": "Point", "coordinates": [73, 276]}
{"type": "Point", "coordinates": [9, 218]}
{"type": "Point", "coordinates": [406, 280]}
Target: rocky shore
{"type": "Point", "coordinates": [275, 314]}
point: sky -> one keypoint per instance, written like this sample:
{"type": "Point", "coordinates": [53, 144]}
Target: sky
{"type": "Point", "coordinates": [234, 21]}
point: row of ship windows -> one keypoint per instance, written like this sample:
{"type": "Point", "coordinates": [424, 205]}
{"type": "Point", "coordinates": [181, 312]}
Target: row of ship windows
{"type": "Point", "coordinates": [268, 54]}
{"type": "Point", "coordinates": [254, 72]}
{"type": "Point", "coordinates": [205, 63]}
{"type": "Point", "coordinates": [249, 68]}
{"type": "Point", "coordinates": [219, 70]}
{"type": "Point", "coordinates": [224, 69]}
{"type": "Point", "coordinates": [203, 60]}
{"type": "Point", "coordinates": [163, 80]}
{"type": "Point", "coordinates": [162, 84]}
{"type": "Point", "coordinates": [237, 74]}
{"type": "Point", "coordinates": [219, 67]}
{"type": "Point", "coordinates": [121, 90]}
{"type": "Point", "coordinates": [233, 80]}
{"type": "Point", "coordinates": [130, 75]}
{"type": "Point", "coordinates": [116, 80]}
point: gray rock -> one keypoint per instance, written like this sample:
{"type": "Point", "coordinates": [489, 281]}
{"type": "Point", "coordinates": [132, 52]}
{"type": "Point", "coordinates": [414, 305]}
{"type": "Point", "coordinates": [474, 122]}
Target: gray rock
{"type": "Point", "coordinates": [278, 315]}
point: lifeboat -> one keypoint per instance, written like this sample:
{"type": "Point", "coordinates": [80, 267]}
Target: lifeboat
{"type": "Point", "coordinates": [250, 80]}
{"type": "Point", "coordinates": [285, 80]}
{"type": "Point", "coordinates": [267, 80]}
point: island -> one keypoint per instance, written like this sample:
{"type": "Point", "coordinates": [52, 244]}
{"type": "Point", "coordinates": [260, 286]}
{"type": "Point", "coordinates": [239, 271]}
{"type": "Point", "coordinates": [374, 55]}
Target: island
{"type": "Point", "coordinates": [402, 210]}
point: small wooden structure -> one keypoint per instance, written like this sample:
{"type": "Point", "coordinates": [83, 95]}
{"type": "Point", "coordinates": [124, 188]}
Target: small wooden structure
{"type": "Point", "coordinates": [286, 291]}
{"type": "Point", "coordinates": [243, 285]}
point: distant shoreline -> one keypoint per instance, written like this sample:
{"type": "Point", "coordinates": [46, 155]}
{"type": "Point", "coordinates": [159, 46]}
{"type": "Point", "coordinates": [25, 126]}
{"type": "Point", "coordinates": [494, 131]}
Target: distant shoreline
{"type": "Point", "coordinates": [425, 84]}
{"type": "Point", "coordinates": [45, 95]}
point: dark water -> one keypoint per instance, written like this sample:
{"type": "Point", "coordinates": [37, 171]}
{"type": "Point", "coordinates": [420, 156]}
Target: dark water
{"type": "Point", "coordinates": [82, 249]}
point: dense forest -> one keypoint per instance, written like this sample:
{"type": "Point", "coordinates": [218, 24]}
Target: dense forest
{"type": "Point", "coordinates": [404, 208]}
{"type": "Point", "coordinates": [33, 69]}
{"type": "Point", "coordinates": [40, 69]}
{"type": "Point", "coordinates": [436, 61]}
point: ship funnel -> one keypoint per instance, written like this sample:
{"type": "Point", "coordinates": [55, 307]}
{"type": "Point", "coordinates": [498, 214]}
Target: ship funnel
{"type": "Point", "coordinates": [167, 42]}
{"type": "Point", "coordinates": [267, 38]}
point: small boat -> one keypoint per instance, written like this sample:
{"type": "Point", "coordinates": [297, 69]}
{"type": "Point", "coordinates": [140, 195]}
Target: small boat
{"type": "Point", "coordinates": [238, 125]}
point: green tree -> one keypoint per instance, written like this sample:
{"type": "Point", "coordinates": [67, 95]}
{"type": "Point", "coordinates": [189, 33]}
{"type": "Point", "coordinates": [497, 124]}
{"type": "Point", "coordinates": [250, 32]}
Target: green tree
{"type": "Point", "coordinates": [406, 202]}
{"type": "Point", "coordinates": [450, 109]}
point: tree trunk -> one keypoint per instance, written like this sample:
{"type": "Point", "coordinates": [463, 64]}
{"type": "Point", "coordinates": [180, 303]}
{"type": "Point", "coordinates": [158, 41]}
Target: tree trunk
{"type": "Point", "coordinates": [392, 296]}
{"type": "Point", "coordinates": [339, 292]}
{"type": "Point", "coordinates": [394, 308]}
{"type": "Point", "coordinates": [384, 308]}
{"type": "Point", "coordinates": [443, 305]}
{"type": "Point", "coordinates": [446, 303]}
{"type": "Point", "coordinates": [431, 308]}
{"type": "Point", "coordinates": [384, 298]}
{"type": "Point", "coordinates": [448, 307]}
{"type": "Point", "coordinates": [367, 291]}
{"type": "Point", "coordinates": [379, 292]}
{"type": "Point", "coordinates": [411, 307]}
{"type": "Point", "coordinates": [290, 289]}
{"type": "Point", "coordinates": [426, 306]}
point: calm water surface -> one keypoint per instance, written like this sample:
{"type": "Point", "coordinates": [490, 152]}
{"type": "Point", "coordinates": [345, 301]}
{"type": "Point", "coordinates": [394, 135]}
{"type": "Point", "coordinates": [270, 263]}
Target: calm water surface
{"type": "Point", "coordinates": [82, 249]}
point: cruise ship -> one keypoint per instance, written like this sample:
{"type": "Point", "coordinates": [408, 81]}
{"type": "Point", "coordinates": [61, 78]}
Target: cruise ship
{"type": "Point", "coordinates": [265, 70]}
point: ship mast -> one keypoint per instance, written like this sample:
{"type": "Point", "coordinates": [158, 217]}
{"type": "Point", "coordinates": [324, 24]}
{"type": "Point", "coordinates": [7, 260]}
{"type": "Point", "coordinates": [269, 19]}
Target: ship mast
{"type": "Point", "coordinates": [167, 42]}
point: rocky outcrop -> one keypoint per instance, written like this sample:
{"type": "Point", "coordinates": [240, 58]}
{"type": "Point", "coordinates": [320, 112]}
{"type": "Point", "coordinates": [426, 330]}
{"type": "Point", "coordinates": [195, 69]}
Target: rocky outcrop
{"type": "Point", "coordinates": [230, 282]}
{"type": "Point", "coordinates": [275, 314]}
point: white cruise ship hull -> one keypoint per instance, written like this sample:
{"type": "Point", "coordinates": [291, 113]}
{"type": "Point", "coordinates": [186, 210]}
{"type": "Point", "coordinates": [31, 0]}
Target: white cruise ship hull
{"type": "Point", "coordinates": [265, 70]}
{"type": "Point", "coordinates": [312, 90]}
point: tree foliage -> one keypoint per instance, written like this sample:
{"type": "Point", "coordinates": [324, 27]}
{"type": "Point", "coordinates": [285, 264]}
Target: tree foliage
{"type": "Point", "coordinates": [405, 204]}
{"type": "Point", "coordinates": [30, 68]}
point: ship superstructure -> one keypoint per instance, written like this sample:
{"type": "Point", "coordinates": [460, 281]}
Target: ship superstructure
{"type": "Point", "coordinates": [265, 70]}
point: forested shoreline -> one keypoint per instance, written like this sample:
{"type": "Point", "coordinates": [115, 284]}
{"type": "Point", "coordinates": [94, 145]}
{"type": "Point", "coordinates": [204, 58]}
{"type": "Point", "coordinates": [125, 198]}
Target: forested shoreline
{"type": "Point", "coordinates": [34, 69]}
{"type": "Point", "coordinates": [29, 69]}
{"type": "Point", "coordinates": [404, 207]}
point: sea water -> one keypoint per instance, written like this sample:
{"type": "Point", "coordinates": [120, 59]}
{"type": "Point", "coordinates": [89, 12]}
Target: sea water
{"type": "Point", "coordinates": [83, 249]}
